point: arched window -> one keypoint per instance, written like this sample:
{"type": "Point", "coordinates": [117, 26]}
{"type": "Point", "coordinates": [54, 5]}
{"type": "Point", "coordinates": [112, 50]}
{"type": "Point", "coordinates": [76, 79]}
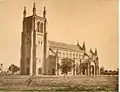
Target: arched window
{"type": "Point", "coordinates": [41, 27]}
{"type": "Point", "coordinates": [38, 26]}
{"type": "Point", "coordinates": [53, 71]}
{"type": "Point", "coordinates": [40, 71]}
{"type": "Point", "coordinates": [28, 27]}
{"type": "Point", "coordinates": [28, 40]}
{"type": "Point", "coordinates": [28, 66]}
{"type": "Point", "coordinates": [76, 55]}
{"type": "Point", "coordinates": [28, 61]}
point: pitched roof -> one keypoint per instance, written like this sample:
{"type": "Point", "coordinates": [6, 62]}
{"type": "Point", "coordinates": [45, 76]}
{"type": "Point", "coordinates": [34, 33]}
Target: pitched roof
{"type": "Point", "coordinates": [61, 45]}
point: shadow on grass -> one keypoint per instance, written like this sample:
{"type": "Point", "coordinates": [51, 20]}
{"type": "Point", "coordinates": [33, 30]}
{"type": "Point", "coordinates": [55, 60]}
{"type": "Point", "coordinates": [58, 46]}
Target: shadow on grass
{"type": "Point", "coordinates": [93, 89]}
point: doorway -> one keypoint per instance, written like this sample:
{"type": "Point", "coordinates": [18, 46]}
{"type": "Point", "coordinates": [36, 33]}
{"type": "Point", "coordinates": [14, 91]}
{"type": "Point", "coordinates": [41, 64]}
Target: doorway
{"type": "Point", "coordinates": [53, 71]}
{"type": "Point", "coordinates": [28, 70]}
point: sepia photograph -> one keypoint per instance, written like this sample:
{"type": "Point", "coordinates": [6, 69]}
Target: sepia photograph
{"type": "Point", "coordinates": [59, 45]}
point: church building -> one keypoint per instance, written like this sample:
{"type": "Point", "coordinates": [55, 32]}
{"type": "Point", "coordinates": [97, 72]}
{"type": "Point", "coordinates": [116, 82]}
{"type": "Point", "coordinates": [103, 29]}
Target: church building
{"type": "Point", "coordinates": [40, 56]}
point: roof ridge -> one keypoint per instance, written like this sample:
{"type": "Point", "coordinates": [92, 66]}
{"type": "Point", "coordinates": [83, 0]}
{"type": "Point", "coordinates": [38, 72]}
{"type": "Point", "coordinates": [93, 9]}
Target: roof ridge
{"type": "Point", "coordinates": [62, 43]}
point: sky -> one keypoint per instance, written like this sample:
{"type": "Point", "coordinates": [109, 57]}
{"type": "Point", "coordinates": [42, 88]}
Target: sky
{"type": "Point", "coordinates": [93, 21]}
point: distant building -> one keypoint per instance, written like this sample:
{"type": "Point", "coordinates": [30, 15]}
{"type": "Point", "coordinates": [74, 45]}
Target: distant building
{"type": "Point", "coordinates": [39, 56]}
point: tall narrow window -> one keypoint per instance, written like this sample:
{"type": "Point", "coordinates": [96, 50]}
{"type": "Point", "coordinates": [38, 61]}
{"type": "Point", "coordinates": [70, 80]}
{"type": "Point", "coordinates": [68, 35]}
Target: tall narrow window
{"type": "Point", "coordinates": [41, 27]}
{"type": "Point", "coordinates": [39, 70]}
{"type": "Point", "coordinates": [38, 26]}
{"type": "Point", "coordinates": [28, 27]}
{"type": "Point", "coordinates": [53, 71]}
{"type": "Point", "coordinates": [28, 40]}
{"type": "Point", "coordinates": [28, 62]}
{"type": "Point", "coordinates": [76, 55]}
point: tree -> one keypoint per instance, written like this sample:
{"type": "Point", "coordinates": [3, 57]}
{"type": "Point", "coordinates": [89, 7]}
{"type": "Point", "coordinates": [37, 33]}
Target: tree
{"type": "Point", "coordinates": [106, 72]}
{"type": "Point", "coordinates": [110, 72]}
{"type": "Point", "coordinates": [117, 71]}
{"type": "Point", "coordinates": [1, 66]}
{"type": "Point", "coordinates": [102, 71]}
{"type": "Point", "coordinates": [66, 65]}
{"type": "Point", "coordinates": [13, 68]}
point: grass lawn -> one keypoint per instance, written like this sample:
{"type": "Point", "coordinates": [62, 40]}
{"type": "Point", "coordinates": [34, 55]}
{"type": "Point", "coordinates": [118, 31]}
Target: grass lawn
{"type": "Point", "coordinates": [70, 89]}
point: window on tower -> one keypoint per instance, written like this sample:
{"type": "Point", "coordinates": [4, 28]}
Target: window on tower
{"type": "Point", "coordinates": [28, 27]}
{"type": "Point", "coordinates": [28, 61]}
{"type": "Point", "coordinates": [28, 40]}
{"type": "Point", "coordinates": [41, 27]}
{"type": "Point", "coordinates": [38, 26]}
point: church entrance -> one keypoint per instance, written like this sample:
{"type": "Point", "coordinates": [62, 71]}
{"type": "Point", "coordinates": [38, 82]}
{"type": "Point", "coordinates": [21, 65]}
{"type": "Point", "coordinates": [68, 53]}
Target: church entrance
{"type": "Point", "coordinates": [28, 71]}
{"type": "Point", "coordinates": [40, 71]}
{"type": "Point", "coordinates": [92, 69]}
{"type": "Point", "coordinates": [84, 70]}
{"type": "Point", "coordinates": [53, 71]}
{"type": "Point", "coordinates": [28, 66]}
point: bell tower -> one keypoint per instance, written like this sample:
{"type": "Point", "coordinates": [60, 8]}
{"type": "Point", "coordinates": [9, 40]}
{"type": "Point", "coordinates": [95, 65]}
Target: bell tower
{"type": "Point", "coordinates": [33, 43]}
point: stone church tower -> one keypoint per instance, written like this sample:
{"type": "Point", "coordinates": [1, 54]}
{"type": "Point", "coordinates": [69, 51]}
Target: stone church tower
{"type": "Point", "coordinates": [33, 44]}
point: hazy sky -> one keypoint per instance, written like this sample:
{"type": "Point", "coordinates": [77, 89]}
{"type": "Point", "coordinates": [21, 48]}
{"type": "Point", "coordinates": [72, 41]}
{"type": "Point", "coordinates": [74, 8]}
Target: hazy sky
{"type": "Point", "coordinates": [92, 21]}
